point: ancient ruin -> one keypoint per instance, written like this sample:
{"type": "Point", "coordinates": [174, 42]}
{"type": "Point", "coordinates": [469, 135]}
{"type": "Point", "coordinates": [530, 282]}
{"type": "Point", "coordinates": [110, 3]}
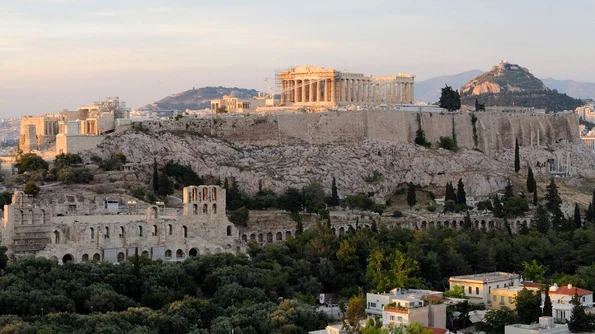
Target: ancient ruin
{"type": "Point", "coordinates": [319, 86]}
{"type": "Point", "coordinates": [74, 228]}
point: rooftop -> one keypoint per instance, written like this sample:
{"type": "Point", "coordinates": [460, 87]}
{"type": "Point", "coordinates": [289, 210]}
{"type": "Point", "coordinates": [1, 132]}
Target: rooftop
{"type": "Point", "coordinates": [486, 277]}
{"type": "Point", "coordinates": [568, 290]}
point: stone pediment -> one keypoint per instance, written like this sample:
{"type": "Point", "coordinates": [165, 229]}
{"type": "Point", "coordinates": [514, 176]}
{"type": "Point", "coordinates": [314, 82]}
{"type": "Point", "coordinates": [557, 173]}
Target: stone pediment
{"type": "Point", "coordinates": [310, 69]}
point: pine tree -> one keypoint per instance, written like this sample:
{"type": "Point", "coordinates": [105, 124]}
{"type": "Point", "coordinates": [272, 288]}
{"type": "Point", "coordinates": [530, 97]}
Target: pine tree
{"type": "Point", "coordinates": [517, 158]}
{"type": "Point", "coordinates": [531, 184]}
{"type": "Point", "coordinates": [577, 216]}
{"type": "Point", "coordinates": [165, 187]}
{"type": "Point", "coordinates": [554, 204]}
{"type": "Point", "coordinates": [579, 320]}
{"type": "Point", "coordinates": [155, 180]}
{"type": "Point", "coordinates": [411, 199]}
{"type": "Point", "coordinates": [461, 195]}
{"type": "Point", "coordinates": [541, 221]}
{"type": "Point", "coordinates": [449, 99]}
{"type": "Point", "coordinates": [547, 303]}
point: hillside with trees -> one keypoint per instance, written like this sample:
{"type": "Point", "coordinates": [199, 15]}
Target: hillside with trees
{"type": "Point", "coordinates": [200, 98]}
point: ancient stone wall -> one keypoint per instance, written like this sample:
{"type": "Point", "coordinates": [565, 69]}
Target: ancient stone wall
{"type": "Point", "coordinates": [495, 131]}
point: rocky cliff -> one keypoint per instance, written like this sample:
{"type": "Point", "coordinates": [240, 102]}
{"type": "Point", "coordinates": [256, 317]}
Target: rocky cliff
{"type": "Point", "coordinates": [290, 150]}
{"type": "Point", "coordinates": [201, 98]}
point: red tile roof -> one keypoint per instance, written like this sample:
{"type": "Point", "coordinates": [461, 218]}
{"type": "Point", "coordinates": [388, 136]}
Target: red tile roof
{"type": "Point", "coordinates": [564, 290]}
{"type": "Point", "coordinates": [436, 330]}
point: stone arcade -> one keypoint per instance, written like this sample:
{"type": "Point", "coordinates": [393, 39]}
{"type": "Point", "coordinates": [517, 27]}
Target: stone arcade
{"type": "Point", "coordinates": [72, 231]}
{"type": "Point", "coordinates": [318, 86]}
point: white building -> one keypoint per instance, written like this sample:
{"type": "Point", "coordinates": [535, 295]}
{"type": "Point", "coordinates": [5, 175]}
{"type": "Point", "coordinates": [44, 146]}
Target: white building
{"type": "Point", "coordinates": [561, 300]}
{"type": "Point", "coordinates": [478, 286]}
{"type": "Point", "coordinates": [546, 325]}
{"type": "Point", "coordinates": [402, 306]}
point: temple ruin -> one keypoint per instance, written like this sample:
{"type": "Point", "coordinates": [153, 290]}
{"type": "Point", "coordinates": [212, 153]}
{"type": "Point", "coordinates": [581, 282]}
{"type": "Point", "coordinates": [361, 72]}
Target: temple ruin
{"type": "Point", "coordinates": [324, 87]}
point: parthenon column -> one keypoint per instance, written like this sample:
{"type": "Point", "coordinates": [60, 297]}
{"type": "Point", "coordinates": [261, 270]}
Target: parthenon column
{"type": "Point", "coordinates": [318, 90]}
{"type": "Point", "coordinates": [412, 92]}
{"type": "Point", "coordinates": [333, 90]}
{"type": "Point", "coordinates": [400, 92]}
{"type": "Point", "coordinates": [283, 90]}
{"type": "Point", "coordinates": [303, 86]}
{"type": "Point", "coordinates": [361, 91]}
{"type": "Point", "coordinates": [311, 94]}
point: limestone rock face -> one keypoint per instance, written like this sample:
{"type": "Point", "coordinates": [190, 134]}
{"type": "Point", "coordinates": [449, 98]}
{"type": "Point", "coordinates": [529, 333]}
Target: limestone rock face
{"type": "Point", "coordinates": [504, 77]}
{"type": "Point", "coordinates": [294, 164]}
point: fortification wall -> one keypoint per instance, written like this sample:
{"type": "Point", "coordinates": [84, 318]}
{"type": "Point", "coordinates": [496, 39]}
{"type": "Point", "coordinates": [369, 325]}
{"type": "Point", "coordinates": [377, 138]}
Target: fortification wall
{"type": "Point", "coordinates": [495, 131]}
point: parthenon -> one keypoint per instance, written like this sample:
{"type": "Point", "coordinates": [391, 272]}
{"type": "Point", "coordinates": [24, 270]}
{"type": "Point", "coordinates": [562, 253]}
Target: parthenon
{"type": "Point", "coordinates": [319, 86]}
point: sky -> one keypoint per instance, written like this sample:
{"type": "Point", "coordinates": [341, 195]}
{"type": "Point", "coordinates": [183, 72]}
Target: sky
{"type": "Point", "coordinates": [61, 54]}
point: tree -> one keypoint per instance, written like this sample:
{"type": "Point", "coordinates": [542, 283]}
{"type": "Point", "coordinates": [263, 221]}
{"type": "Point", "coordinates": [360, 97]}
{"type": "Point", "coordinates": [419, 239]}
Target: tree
{"type": "Point", "coordinates": [30, 162]}
{"type": "Point", "coordinates": [579, 321]}
{"type": "Point", "coordinates": [517, 158]}
{"type": "Point", "coordinates": [449, 99]}
{"type": "Point", "coordinates": [411, 199]}
{"type": "Point", "coordinates": [334, 194]}
{"type": "Point", "coordinates": [531, 183]}
{"type": "Point", "coordinates": [155, 179]}
{"type": "Point", "coordinates": [532, 271]}
{"type": "Point", "coordinates": [420, 137]}
{"type": "Point", "coordinates": [508, 190]}
{"type": "Point", "coordinates": [165, 187]}
{"type": "Point", "coordinates": [3, 258]}
{"type": "Point", "coordinates": [547, 303]}
{"type": "Point", "coordinates": [541, 220]}
{"type": "Point", "coordinates": [467, 223]}
{"type": "Point", "coordinates": [356, 310]}
{"type": "Point", "coordinates": [31, 188]}
{"type": "Point", "coordinates": [577, 216]}
{"type": "Point", "coordinates": [240, 216]}
{"type": "Point", "coordinates": [461, 195]}
{"type": "Point", "coordinates": [5, 198]}
{"type": "Point", "coordinates": [67, 160]}
{"type": "Point", "coordinates": [528, 306]}
{"type": "Point", "coordinates": [554, 204]}
{"type": "Point", "coordinates": [494, 320]}
{"type": "Point", "coordinates": [448, 143]}
{"type": "Point", "coordinates": [535, 199]}
{"type": "Point", "coordinates": [457, 291]}
{"type": "Point", "coordinates": [70, 175]}
{"type": "Point", "coordinates": [450, 194]}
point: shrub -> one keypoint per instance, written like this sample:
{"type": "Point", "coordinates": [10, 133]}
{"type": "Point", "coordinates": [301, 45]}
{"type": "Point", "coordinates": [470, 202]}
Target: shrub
{"type": "Point", "coordinates": [74, 175]}
{"type": "Point", "coordinates": [397, 214]}
{"type": "Point", "coordinates": [240, 216]}
{"type": "Point", "coordinates": [448, 143]}
{"type": "Point", "coordinates": [431, 208]}
{"type": "Point", "coordinates": [30, 162]}
{"type": "Point", "coordinates": [31, 189]}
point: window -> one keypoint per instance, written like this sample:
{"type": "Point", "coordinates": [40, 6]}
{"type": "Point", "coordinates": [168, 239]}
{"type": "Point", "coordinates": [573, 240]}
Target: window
{"type": "Point", "coordinates": [121, 231]}
{"type": "Point", "coordinates": [169, 229]}
{"type": "Point", "coordinates": [392, 318]}
{"type": "Point", "coordinates": [495, 298]}
{"type": "Point", "coordinates": [509, 300]}
{"type": "Point", "coordinates": [185, 231]}
{"type": "Point", "coordinates": [476, 290]}
{"type": "Point", "coordinates": [501, 300]}
{"type": "Point", "coordinates": [107, 232]}
{"type": "Point", "coordinates": [228, 230]}
{"type": "Point", "coordinates": [154, 230]}
{"type": "Point", "coordinates": [497, 286]}
{"type": "Point", "coordinates": [469, 289]}
{"type": "Point", "coordinates": [372, 305]}
{"type": "Point", "coordinates": [504, 284]}
{"type": "Point", "coordinates": [92, 233]}
{"type": "Point", "coordinates": [400, 319]}
{"type": "Point", "coordinates": [140, 231]}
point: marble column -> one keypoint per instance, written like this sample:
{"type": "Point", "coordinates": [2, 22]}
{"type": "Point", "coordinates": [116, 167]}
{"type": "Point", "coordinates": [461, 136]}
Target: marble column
{"type": "Point", "coordinates": [412, 92]}
{"type": "Point", "coordinates": [303, 86]}
{"type": "Point", "coordinates": [283, 91]}
{"type": "Point", "coordinates": [311, 93]}
{"type": "Point", "coordinates": [318, 90]}
{"type": "Point", "coordinates": [400, 92]}
{"type": "Point", "coordinates": [333, 90]}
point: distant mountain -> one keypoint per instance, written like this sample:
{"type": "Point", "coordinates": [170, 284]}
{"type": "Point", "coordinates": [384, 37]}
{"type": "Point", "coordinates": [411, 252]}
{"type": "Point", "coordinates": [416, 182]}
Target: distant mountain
{"type": "Point", "coordinates": [576, 89]}
{"type": "Point", "coordinates": [508, 84]}
{"type": "Point", "coordinates": [429, 90]}
{"type": "Point", "coordinates": [201, 98]}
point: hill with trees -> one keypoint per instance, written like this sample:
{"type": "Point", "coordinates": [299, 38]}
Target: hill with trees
{"type": "Point", "coordinates": [200, 98]}
{"type": "Point", "coordinates": [508, 84]}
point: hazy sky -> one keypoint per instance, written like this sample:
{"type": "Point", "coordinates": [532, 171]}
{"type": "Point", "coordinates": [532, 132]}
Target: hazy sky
{"type": "Point", "coordinates": [64, 53]}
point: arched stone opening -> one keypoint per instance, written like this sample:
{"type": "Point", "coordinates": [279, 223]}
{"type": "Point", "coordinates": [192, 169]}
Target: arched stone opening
{"type": "Point", "coordinates": [260, 237]}
{"type": "Point", "coordinates": [121, 257]}
{"type": "Point", "coordinates": [154, 233]}
{"type": "Point", "coordinates": [228, 230]}
{"type": "Point", "coordinates": [179, 254]}
{"type": "Point", "coordinates": [244, 237]}
{"type": "Point", "coordinates": [107, 232]}
{"type": "Point", "coordinates": [145, 254]}
{"type": "Point", "coordinates": [185, 231]}
{"type": "Point", "coordinates": [57, 237]}
{"type": "Point", "coordinates": [96, 257]}
{"type": "Point", "coordinates": [92, 230]}
{"type": "Point", "coordinates": [287, 235]}
{"type": "Point", "coordinates": [193, 252]}
{"type": "Point", "coordinates": [252, 237]}
{"type": "Point", "coordinates": [207, 251]}
{"type": "Point", "coordinates": [269, 237]}
{"type": "Point", "coordinates": [122, 232]}
{"type": "Point", "coordinates": [204, 194]}
{"type": "Point", "coordinates": [217, 250]}
{"type": "Point", "coordinates": [194, 194]}
{"type": "Point", "coordinates": [67, 258]}
{"type": "Point", "coordinates": [205, 209]}
{"type": "Point", "coordinates": [214, 194]}
{"type": "Point", "coordinates": [168, 254]}
{"type": "Point", "coordinates": [85, 258]}
{"type": "Point", "coordinates": [170, 229]}
{"type": "Point", "coordinates": [140, 231]}
{"type": "Point", "coordinates": [214, 209]}
{"type": "Point", "coordinates": [279, 236]}
{"type": "Point", "coordinates": [195, 209]}
{"type": "Point", "coordinates": [341, 231]}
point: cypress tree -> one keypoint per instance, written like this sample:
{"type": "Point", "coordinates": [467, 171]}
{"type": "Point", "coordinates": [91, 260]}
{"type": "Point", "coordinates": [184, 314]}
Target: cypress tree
{"type": "Point", "coordinates": [334, 193]}
{"type": "Point", "coordinates": [155, 180]}
{"type": "Point", "coordinates": [535, 197]}
{"type": "Point", "coordinates": [508, 190]}
{"type": "Point", "coordinates": [165, 186]}
{"type": "Point", "coordinates": [411, 199]}
{"type": "Point", "coordinates": [547, 303]}
{"type": "Point", "coordinates": [554, 204]}
{"type": "Point", "coordinates": [461, 196]}
{"type": "Point", "coordinates": [589, 213]}
{"type": "Point", "coordinates": [531, 184]}
{"type": "Point", "coordinates": [517, 159]}
{"type": "Point", "coordinates": [577, 216]}
{"type": "Point", "coordinates": [579, 321]}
